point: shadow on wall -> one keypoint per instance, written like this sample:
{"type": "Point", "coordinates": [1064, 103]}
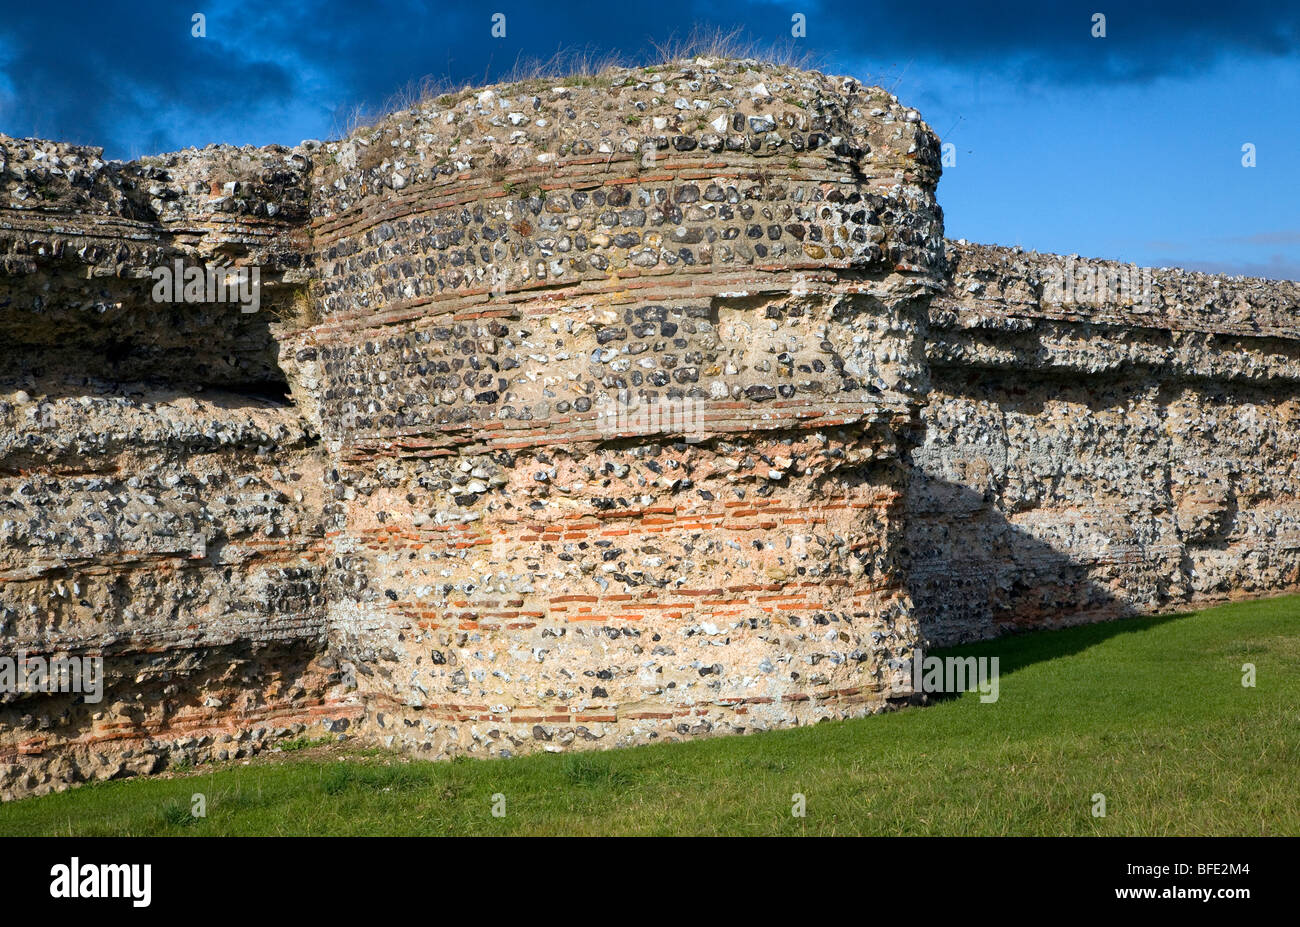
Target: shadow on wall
{"type": "Point", "coordinates": [973, 575]}
{"type": "Point", "coordinates": [114, 332]}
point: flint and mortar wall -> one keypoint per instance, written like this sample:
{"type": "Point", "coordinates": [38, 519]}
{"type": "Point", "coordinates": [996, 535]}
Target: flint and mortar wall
{"type": "Point", "coordinates": [505, 276]}
{"type": "Point", "coordinates": [542, 442]}
{"type": "Point", "coordinates": [1100, 441]}
{"type": "Point", "coordinates": [159, 492]}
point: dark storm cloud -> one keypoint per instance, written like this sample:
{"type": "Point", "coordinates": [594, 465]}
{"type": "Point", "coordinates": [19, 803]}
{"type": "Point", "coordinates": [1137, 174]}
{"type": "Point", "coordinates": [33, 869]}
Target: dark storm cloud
{"type": "Point", "coordinates": [130, 75]}
{"type": "Point", "coordinates": [121, 77]}
{"type": "Point", "coordinates": [1054, 41]}
{"type": "Point", "coordinates": [390, 42]}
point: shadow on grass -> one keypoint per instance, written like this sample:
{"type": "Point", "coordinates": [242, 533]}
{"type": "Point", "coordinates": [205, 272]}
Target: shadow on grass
{"type": "Point", "coordinates": [1020, 649]}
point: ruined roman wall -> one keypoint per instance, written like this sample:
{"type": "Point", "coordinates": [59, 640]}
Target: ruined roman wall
{"type": "Point", "coordinates": [159, 492]}
{"type": "Point", "coordinates": [617, 377]}
{"type": "Point", "coordinates": [1102, 440]}
{"type": "Point", "coordinates": [584, 414]}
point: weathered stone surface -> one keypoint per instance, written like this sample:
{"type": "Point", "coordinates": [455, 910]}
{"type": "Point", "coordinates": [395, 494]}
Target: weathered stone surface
{"type": "Point", "coordinates": [513, 569]}
{"type": "Point", "coordinates": [585, 414]}
{"type": "Point", "coordinates": [160, 500]}
{"type": "Point", "coordinates": [1089, 454]}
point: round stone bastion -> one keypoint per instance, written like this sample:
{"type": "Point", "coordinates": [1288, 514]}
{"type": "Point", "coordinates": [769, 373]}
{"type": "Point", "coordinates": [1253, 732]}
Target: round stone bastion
{"type": "Point", "coordinates": [616, 377]}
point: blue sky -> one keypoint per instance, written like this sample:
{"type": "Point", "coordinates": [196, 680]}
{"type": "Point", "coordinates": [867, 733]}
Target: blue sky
{"type": "Point", "coordinates": [1126, 147]}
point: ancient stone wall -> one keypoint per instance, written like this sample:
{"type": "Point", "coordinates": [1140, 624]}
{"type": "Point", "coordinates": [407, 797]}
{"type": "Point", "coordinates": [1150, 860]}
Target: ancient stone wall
{"type": "Point", "coordinates": [159, 492]}
{"type": "Point", "coordinates": [618, 379]}
{"type": "Point", "coordinates": [1102, 440]}
{"type": "Point", "coordinates": [582, 414]}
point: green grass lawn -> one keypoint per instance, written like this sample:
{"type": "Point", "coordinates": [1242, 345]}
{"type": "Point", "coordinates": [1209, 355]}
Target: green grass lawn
{"type": "Point", "coordinates": [1150, 712]}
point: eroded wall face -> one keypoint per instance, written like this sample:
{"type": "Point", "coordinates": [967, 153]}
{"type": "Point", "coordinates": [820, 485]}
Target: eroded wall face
{"type": "Point", "coordinates": [643, 589]}
{"type": "Point", "coordinates": [586, 416]}
{"type": "Point", "coordinates": [159, 490]}
{"type": "Point", "coordinates": [619, 443]}
{"type": "Point", "coordinates": [1096, 451]}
